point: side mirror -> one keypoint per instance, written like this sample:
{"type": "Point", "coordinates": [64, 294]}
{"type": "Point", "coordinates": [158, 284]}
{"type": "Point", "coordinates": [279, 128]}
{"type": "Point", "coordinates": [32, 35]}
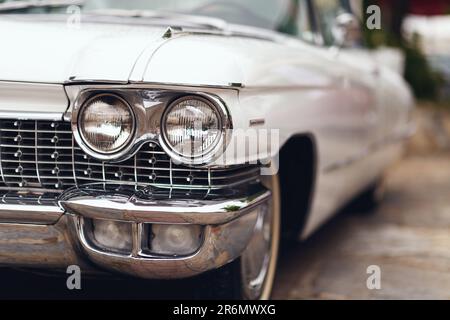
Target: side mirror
{"type": "Point", "coordinates": [347, 31]}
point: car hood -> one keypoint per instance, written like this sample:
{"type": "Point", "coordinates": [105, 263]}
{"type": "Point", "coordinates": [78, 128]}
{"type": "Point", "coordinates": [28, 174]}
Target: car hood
{"type": "Point", "coordinates": [38, 50]}
{"type": "Point", "coordinates": [45, 49]}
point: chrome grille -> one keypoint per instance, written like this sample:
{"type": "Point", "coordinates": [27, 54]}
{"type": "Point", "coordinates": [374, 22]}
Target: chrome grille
{"type": "Point", "coordinates": [42, 156]}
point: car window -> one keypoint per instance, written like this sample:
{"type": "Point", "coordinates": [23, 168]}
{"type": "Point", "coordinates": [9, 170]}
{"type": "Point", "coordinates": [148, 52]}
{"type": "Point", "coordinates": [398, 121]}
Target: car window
{"type": "Point", "coordinates": [327, 11]}
{"type": "Point", "coordinates": [267, 14]}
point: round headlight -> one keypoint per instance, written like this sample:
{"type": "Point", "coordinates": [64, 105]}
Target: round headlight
{"type": "Point", "coordinates": [192, 126]}
{"type": "Point", "coordinates": [106, 123]}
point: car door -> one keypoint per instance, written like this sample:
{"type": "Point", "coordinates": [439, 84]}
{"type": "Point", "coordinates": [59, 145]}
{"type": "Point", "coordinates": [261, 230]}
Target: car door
{"type": "Point", "coordinates": [354, 114]}
{"type": "Point", "coordinates": [357, 78]}
{"type": "Point", "coordinates": [342, 113]}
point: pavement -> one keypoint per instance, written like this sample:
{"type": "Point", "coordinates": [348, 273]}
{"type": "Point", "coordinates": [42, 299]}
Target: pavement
{"type": "Point", "coordinates": [407, 237]}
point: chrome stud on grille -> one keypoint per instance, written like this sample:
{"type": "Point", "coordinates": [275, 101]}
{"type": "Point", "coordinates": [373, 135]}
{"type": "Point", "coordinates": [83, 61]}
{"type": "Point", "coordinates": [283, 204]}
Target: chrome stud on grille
{"type": "Point", "coordinates": [17, 123]}
{"type": "Point", "coordinates": [152, 160]}
{"type": "Point", "coordinates": [22, 183]}
{"type": "Point", "coordinates": [55, 170]}
{"type": "Point", "coordinates": [54, 125]}
{"type": "Point", "coordinates": [118, 174]}
{"type": "Point", "coordinates": [87, 172]}
{"type": "Point", "coordinates": [18, 138]}
{"type": "Point", "coordinates": [54, 139]}
{"type": "Point", "coordinates": [55, 155]}
{"type": "Point", "coordinates": [58, 185]}
{"type": "Point", "coordinates": [190, 178]}
{"type": "Point", "coordinates": [19, 169]}
{"type": "Point", "coordinates": [152, 176]}
{"type": "Point", "coordinates": [18, 154]}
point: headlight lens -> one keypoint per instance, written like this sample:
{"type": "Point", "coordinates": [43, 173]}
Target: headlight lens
{"type": "Point", "coordinates": [106, 123]}
{"type": "Point", "coordinates": [192, 126]}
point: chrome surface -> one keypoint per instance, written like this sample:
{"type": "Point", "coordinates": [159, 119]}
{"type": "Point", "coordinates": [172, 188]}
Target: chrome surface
{"type": "Point", "coordinates": [228, 222]}
{"type": "Point", "coordinates": [69, 240]}
{"type": "Point", "coordinates": [25, 100]}
{"type": "Point", "coordinates": [256, 257]}
{"type": "Point", "coordinates": [148, 106]}
{"type": "Point", "coordinates": [40, 246]}
{"type": "Point", "coordinates": [41, 157]}
{"type": "Point", "coordinates": [23, 213]}
{"type": "Point", "coordinates": [153, 205]}
{"type": "Point", "coordinates": [30, 115]}
{"type": "Point", "coordinates": [221, 244]}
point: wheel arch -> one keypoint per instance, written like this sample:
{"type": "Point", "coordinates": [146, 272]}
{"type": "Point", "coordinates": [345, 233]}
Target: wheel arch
{"type": "Point", "coordinates": [297, 173]}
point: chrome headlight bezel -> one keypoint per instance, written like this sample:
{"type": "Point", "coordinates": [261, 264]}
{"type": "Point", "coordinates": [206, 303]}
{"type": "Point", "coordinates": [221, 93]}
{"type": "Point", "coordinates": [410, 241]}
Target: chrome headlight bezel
{"type": "Point", "coordinates": [133, 124]}
{"type": "Point", "coordinates": [148, 105]}
{"type": "Point", "coordinates": [84, 143]}
{"type": "Point", "coordinates": [211, 152]}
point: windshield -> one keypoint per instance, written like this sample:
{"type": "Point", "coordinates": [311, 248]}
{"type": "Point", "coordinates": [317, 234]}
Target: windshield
{"type": "Point", "coordinates": [268, 14]}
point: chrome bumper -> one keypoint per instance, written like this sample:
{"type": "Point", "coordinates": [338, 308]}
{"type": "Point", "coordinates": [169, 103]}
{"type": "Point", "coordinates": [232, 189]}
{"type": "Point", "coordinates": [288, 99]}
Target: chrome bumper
{"type": "Point", "coordinates": [228, 223]}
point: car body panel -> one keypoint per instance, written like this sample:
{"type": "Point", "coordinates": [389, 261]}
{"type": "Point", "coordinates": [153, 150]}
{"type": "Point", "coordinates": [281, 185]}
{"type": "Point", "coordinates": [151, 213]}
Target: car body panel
{"type": "Point", "coordinates": [61, 53]}
{"type": "Point", "coordinates": [356, 111]}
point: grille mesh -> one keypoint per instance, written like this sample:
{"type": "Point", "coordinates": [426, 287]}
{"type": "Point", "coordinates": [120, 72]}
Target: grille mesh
{"type": "Point", "coordinates": [43, 156]}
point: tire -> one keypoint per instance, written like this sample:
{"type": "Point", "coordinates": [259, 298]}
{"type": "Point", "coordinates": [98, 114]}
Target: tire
{"type": "Point", "coordinates": [232, 281]}
{"type": "Point", "coordinates": [369, 200]}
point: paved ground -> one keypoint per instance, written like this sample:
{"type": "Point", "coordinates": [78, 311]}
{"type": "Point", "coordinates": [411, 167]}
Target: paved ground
{"type": "Point", "coordinates": [408, 238]}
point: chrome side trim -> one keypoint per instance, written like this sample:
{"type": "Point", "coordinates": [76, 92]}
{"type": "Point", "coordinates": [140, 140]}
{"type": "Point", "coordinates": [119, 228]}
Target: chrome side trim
{"type": "Point", "coordinates": [41, 246]}
{"type": "Point", "coordinates": [44, 116]}
{"type": "Point", "coordinates": [29, 214]}
{"type": "Point", "coordinates": [140, 83]}
{"type": "Point", "coordinates": [396, 137]}
{"type": "Point", "coordinates": [20, 100]}
{"type": "Point", "coordinates": [166, 210]}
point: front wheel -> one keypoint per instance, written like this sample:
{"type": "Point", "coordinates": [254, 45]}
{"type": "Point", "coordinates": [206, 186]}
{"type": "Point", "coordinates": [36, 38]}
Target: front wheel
{"type": "Point", "coordinates": [252, 275]}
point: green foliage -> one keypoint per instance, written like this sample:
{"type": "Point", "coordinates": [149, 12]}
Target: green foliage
{"type": "Point", "coordinates": [424, 81]}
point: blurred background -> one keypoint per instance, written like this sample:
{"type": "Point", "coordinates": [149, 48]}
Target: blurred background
{"type": "Point", "coordinates": [420, 29]}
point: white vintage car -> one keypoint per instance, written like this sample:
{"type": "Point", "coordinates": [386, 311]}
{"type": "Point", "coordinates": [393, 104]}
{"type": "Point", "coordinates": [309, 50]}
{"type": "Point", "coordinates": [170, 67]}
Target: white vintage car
{"type": "Point", "coordinates": [116, 116]}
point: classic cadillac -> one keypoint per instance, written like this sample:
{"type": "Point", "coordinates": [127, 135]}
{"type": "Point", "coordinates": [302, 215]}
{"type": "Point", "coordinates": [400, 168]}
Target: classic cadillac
{"type": "Point", "coordinates": [116, 116]}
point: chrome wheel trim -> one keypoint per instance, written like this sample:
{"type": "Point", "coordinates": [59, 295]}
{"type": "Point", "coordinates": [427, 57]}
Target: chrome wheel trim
{"type": "Point", "coordinates": [258, 262]}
